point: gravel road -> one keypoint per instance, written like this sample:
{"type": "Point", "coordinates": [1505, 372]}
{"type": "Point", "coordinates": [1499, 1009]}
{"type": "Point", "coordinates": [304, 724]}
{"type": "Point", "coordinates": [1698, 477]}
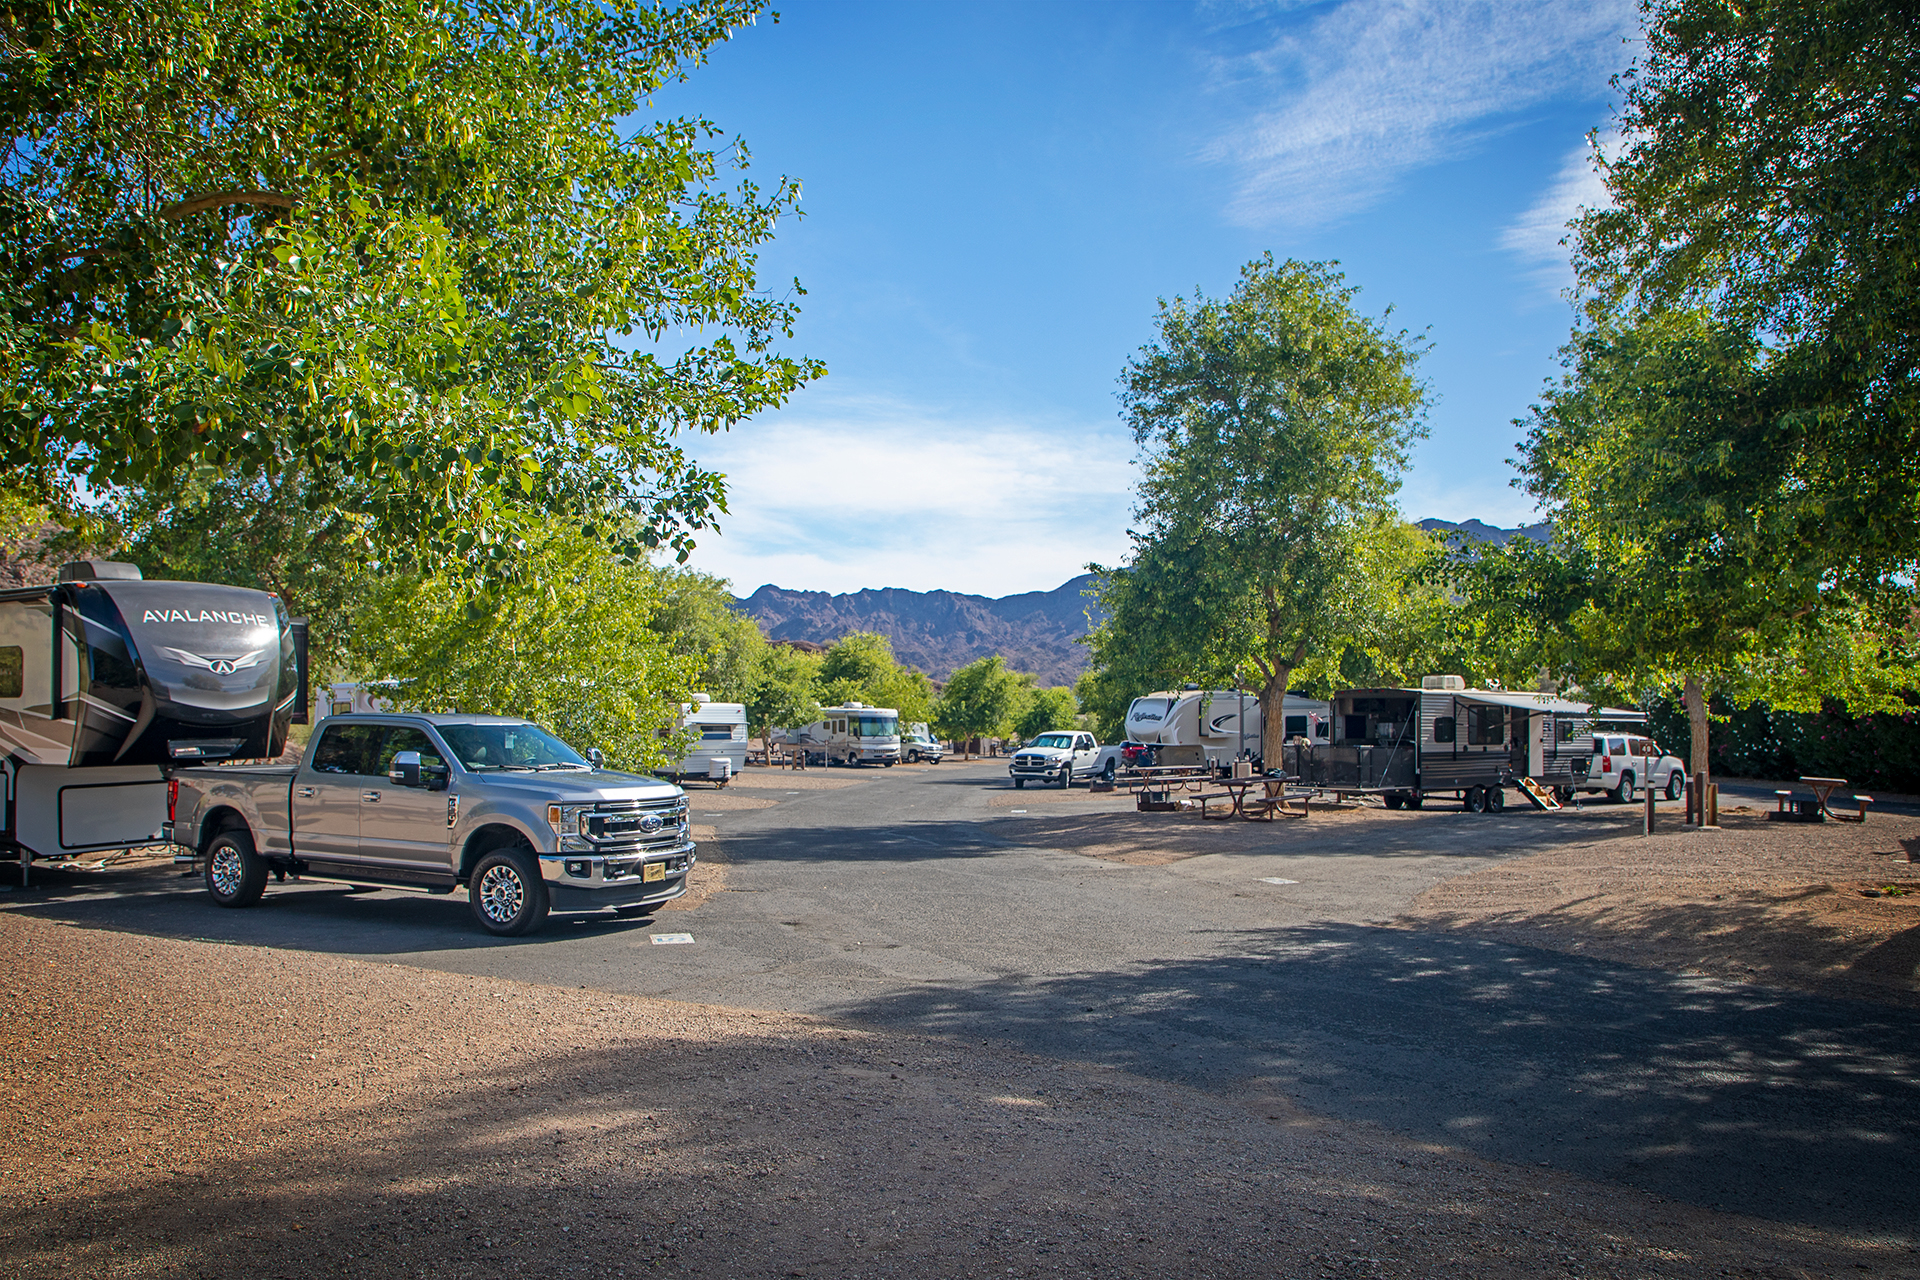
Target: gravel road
{"type": "Point", "coordinates": [1201, 1012]}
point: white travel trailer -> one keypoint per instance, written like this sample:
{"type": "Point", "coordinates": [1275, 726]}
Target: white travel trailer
{"type": "Point", "coordinates": [106, 678]}
{"type": "Point", "coordinates": [853, 734]}
{"type": "Point", "coordinates": [349, 697]}
{"type": "Point", "coordinates": [1224, 724]}
{"type": "Point", "coordinates": [720, 751]}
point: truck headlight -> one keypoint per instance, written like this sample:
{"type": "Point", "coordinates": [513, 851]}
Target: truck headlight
{"type": "Point", "coordinates": [568, 819]}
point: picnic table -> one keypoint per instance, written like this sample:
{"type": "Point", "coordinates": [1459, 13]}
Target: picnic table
{"type": "Point", "coordinates": [1823, 788]}
{"type": "Point", "coordinates": [1169, 777]}
{"type": "Point", "coordinates": [1273, 796]}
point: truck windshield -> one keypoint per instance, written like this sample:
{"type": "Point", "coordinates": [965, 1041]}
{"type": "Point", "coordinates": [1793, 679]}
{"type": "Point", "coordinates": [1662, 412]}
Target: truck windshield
{"type": "Point", "coordinates": [874, 726]}
{"type": "Point", "coordinates": [1054, 740]}
{"type": "Point", "coordinates": [509, 746]}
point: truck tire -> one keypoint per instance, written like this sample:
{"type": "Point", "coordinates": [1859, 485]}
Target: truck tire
{"type": "Point", "coordinates": [1019, 784]}
{"type": "Point", "coordinates": [1066, 777]}
{"type": "Point", "coordinates": [1106, 773]}
{"type": "Point", "coordinates": [236, 875]}
{"type": "Point", "coordinates": [913, 757]}
{"type": "Point", "coordinates": [507, 894]}
{"type": "Point", "coordinates": [1624, 793]}
{"type": "Point", "coordinates": [1676, 784]}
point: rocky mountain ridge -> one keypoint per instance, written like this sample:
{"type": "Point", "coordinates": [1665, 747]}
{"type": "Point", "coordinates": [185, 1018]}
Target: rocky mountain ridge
{"type": "Point", "coordinates": [939, 631]}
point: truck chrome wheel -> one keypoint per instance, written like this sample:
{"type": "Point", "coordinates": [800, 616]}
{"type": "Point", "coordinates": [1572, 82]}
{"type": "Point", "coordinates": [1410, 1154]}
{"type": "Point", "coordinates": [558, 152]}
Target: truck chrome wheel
{"type": "Point", "coordinates": [502, 895]}
{"type": "Point", "coordinates": [507, 894]}
{"type": "Point", "coordinates": [236, 875]}
{"type": "Point", "coordinates": [223, 868]}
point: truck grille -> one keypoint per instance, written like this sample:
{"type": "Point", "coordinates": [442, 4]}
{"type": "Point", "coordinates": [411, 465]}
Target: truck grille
{"type": "Point", "coordinates": [645, 824]}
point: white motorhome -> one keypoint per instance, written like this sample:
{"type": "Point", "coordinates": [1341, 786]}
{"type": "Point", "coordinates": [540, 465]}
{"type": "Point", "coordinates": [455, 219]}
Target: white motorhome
{"type": "Point", "coordinates": [105, 679]}
{"type": "Point", "coordinates": [1224, 724]}
{"type": "Point", "coordinates": [720, 752]}
{"type": "Point", "coordinates": [852, 734]}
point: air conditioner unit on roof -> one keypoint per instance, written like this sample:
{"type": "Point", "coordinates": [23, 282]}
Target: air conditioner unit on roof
{"type": "Point", "coordinates": [1442, 682]}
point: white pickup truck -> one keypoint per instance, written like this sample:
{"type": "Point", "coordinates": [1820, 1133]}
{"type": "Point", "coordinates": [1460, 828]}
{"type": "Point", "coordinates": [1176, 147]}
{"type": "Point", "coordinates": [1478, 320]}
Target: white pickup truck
{"type": "Point", "coordinates": [1061, 756]}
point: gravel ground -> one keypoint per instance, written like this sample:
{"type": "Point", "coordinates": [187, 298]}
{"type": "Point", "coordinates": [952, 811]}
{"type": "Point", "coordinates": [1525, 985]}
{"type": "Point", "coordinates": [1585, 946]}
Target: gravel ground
{"type": "Point", "coordinates": [188, 1109]}
{"type": "Point", "coordinates": [1831, 908]}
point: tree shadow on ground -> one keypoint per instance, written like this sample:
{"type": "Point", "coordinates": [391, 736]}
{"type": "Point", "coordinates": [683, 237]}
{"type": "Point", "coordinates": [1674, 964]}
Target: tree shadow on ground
{"type": "Point", "coordinates": [1757, 1101]}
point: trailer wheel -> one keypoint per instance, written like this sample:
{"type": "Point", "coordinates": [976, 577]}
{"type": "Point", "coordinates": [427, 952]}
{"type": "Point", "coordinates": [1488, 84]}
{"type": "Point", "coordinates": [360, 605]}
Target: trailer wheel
{"type": "Point", "coordinates": [1496, 799]}
{"type": "Point", "coordinates": [507, 894]}
{"type": "Point", "coordinates": [1394, 799]}
{"type": "Point", "coordinates": [236, 875]}
{"type": "Point", "coordinates": [1475, 800]}
{"type": "Point", "coordinates": [1415, 800]}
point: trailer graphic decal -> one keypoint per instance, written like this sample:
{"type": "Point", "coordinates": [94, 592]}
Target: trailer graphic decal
{"type": "Point", "coordinates": [219, 666]}
{"type": "Point", "coordinates": [208, 615]}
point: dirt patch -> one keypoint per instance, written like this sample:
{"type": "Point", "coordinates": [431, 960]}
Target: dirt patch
{"type": "Point", "coordinates": [236, 1111]}
{"type": "Point", "coordinates": [1122, 834]}
{"type": "Point", "coordinates": [1788, 905]}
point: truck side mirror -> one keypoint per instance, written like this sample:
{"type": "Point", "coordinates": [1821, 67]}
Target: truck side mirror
{"type": "Point", "coordinates": [596, 758]}
{"type": "Point", "coordinates": [404, 770]}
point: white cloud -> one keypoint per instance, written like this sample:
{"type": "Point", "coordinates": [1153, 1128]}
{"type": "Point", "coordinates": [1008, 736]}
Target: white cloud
{"type": "Point", "coordinates": [1375, 89]}
{"type": "Point", "coordinates": [860, 492]}
{"type": "Point", "coordinates": [1536, 236]}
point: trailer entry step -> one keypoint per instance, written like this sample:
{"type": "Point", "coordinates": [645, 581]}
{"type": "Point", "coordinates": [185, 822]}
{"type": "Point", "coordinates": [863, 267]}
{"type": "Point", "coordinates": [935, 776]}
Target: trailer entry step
{"type": "Point", "coordinates": [1542, 797]}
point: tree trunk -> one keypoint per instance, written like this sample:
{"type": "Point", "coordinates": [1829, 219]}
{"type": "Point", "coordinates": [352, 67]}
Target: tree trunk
{"type": "Point", "coordinates": [1273, 717]}
{"type": "Point", "coordinates": [1695, 698]}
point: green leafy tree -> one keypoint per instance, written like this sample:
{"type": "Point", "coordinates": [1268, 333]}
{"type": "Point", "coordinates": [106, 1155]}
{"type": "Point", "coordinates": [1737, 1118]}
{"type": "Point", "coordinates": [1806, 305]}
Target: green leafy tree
{"type": "Point", "coordinates": [1274, 425]}
{"type": "Point", "coordinates": [1769, 176]}
{"type": "Point", "coordinates": [1046, 709]}
{"type": "Point", "coordinates": [567, 646]}
{"type": "Point", "coordinates": [1673, 562]}
{"type": "Point", "coordinates": [417, 255]}
{"type": "Point", "coordinates": [696, 619]}
{"type": "Point", "coordinates": [860, 667]}
{"type": "Point", "coordinates": [785, 692]}
{"type": "Point", "coordinates": [981, 700]}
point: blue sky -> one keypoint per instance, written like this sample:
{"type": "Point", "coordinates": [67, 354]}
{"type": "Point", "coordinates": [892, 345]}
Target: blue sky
{"type": "Point", "coordinates": [996, 195]}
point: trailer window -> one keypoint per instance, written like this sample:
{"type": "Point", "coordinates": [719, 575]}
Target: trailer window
{"type": "Point", "coordinates": [1486, 726]}
{"type": "Point", "coordinates": [13, 660]}
{"type": "Point", "coordinates": [1443, 729]}
{"type": "Point", "coordinates": [715, 733]}
{"type": "Point", "coordinates": [1296, 726]}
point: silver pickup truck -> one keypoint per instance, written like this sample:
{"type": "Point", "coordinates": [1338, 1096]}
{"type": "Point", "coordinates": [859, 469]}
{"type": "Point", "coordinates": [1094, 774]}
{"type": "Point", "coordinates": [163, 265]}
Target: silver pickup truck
{"type": "Point", "coordinates": [496, 805]}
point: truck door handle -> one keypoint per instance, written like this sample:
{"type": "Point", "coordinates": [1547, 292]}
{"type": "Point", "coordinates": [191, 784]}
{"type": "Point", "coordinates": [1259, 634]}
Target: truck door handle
{"type": "Point", "coordinates": [370, 795]}
{"type": "Point", "coordinates": [305, 793]}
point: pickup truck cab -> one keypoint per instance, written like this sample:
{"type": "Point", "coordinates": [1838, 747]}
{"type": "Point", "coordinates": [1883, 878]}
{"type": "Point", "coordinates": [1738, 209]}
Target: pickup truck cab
{"type": "Point", "coordinates": [495, 805]}
{"type": "Point", "coordinates": [1058, 756]}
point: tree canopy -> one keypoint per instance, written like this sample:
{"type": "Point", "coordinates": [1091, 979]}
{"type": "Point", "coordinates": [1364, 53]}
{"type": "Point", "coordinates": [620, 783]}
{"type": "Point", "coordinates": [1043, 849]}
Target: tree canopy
{"type": "Point", "coordinates": [1772, 175]}
{"type": "Point", "coordinates": [409, 254]}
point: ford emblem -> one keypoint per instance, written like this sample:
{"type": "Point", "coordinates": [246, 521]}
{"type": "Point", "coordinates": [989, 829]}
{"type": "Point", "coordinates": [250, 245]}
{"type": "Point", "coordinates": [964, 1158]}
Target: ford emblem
{"type": "Point", "coordinates": [650, 824]}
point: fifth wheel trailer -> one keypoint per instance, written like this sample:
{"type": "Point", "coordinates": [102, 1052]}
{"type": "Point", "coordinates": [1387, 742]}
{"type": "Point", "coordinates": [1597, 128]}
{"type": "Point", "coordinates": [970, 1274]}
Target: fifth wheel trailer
{"type": "Point", "coordinates": [105, 679]}
{"type": "Point", "coordinates": [1216, 726]}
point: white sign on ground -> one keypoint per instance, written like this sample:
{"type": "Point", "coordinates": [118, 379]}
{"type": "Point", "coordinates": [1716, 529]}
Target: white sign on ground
{"type": "Point", "coordinates": [670, 939]}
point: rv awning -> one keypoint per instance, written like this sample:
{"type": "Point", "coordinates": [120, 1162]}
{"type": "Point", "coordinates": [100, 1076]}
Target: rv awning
{"type": "Point", "coordinates": [1546, 704]}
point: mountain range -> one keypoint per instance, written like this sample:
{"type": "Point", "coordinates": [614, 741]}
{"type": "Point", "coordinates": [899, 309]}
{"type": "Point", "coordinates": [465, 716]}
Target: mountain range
{"type": "Point", "coordinates": [939, 631]}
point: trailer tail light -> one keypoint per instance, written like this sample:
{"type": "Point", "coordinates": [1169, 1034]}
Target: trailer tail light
{"type": "Point", "coordinates": [1606, 764]}
{"type": "Point", "coordinates": [173, 797]}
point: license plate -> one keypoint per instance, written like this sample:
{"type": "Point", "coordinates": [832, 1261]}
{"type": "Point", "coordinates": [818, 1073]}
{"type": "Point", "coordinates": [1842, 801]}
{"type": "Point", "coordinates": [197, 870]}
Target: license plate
{"type": "Point", "coordinates": [653, 871]}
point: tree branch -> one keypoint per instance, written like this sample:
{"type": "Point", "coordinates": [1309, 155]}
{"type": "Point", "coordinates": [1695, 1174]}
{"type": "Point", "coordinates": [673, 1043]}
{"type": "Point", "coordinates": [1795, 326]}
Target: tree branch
{"type": "Point", "coordinates": [221, 199]}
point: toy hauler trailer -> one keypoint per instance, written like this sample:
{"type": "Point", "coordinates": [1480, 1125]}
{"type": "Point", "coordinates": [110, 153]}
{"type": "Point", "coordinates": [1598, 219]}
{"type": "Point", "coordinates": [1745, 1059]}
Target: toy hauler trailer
{"type": "Point", "coordinates": [1446, 739]}
{"type": "Point", "coordinates": [1215, 726]}
{"type": "Point", "coordinates": [106, 679]}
